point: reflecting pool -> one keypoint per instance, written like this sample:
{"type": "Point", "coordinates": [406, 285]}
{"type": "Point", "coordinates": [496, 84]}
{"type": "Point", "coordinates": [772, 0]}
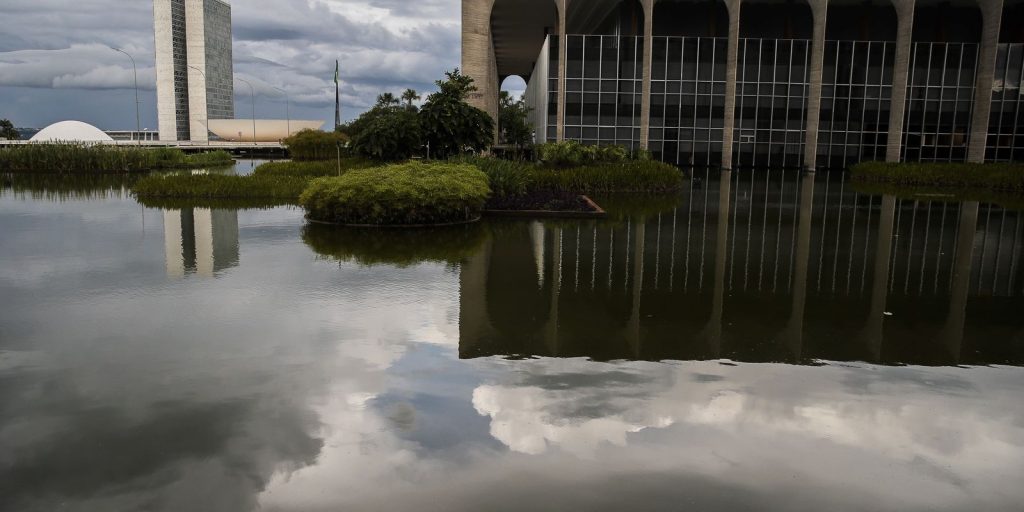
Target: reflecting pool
{"type": "Point", "coordinates": [762, 341]}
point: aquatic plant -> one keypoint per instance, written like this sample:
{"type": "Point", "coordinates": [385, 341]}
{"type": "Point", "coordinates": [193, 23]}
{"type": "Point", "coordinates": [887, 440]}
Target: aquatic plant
{"type": "Point", "coordinates": [992, 176]}
{"type": "Point", "coordinates": [219, 186]}
{"type": "Point", "coordinates": [100, 159]}
{"type": "Point", "coordinates": [517, 178]}
{"type": "Point", "coordinates": [313, 169]}
{"type": "Point", "coordinates": [279, 182]}
{"type": "Point", "coordinates": [412, 193]}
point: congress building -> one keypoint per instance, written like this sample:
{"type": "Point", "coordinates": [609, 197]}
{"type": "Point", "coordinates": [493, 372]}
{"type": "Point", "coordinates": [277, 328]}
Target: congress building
{"type": "Point", "coordinates": [812, 84]}
{"type": "Point", "coordinates": [194, 67]}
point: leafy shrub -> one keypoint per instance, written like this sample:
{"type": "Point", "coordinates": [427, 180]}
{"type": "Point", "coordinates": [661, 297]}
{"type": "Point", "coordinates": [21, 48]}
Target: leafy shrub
{"type": "Point", "coordinates": [404, 194]}
{"type": "Point", "coordinates": [451, 125]}
{"type": "Point", "coordinates": [398, 247]}
{"type": "Point", "coordinates": [994, 176]}
{"type": "Point", "coordinates": [307, 145]}
{"type": "Point", "coordinates": [388, 134]}
{"type": "Point", "coordinates": [573, 154]}
{"type": "Point", "coordinates": [96, 158]}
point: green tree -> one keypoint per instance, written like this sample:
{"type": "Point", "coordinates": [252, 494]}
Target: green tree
{"type": "Point", "coordinates": [387, 133]}
{"type": "Point", "coordinates": [514, 121]}
{"type": "Point", "coordinates": [7, 130]}
{"type": "Point", "coordinates": [451, 125]}
{"type": "Point", "coordinates": [387, 100]}
{"type": "Point", "coordinates": [410, 96]}
{"type": "Point", "coordinates": [314, 144]}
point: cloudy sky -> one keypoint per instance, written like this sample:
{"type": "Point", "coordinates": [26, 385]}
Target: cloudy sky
{"type": "Point", "coordinates": [55, 63]}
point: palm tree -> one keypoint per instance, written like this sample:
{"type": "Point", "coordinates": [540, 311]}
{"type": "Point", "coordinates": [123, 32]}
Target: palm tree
{"type": "Point", "coordinates": [409, 96]}
{"type": "Point", "coordinates": [387, 100]}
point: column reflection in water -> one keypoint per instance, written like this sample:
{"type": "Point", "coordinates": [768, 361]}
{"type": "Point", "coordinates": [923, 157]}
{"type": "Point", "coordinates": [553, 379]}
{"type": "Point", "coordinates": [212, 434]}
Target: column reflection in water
{"type": "Point", "coordinates": [759, 268]}
{"type": "Point", "coordinates": [202, 241]}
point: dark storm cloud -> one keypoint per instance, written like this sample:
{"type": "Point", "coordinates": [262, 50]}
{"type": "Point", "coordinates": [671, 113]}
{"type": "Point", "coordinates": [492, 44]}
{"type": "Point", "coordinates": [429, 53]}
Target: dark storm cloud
{"type": "Point", "coordinates": [383, 45]}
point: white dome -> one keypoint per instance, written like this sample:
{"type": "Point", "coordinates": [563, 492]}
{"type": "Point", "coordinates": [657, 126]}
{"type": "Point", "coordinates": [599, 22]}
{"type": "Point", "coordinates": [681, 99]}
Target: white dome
{"type": "Point", "coordinates": [71, 131]}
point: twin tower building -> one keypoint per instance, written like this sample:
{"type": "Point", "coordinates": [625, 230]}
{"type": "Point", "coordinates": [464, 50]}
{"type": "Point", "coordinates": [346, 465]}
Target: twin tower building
{"type": "Point", "coordinates": [194, 70]}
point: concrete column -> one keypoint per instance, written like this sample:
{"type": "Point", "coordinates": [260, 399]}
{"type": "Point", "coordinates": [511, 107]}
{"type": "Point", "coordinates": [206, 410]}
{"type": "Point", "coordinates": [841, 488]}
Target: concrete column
{"type": "Point", "coordinates": [195, 42]}
{"type": "Point", "coordinates": [793, 334]}
{"type": "Point", "coordinates": [174, 246]}
{"type": "Point", "coordinates": [645, 101]}
{"type": "Point", "coordinates": [474, 324]}
{"type": "Point", "coordinates": [732, 55]}
{"type": "Point", "coordinates": [633, 330]}
{"type": "Point", "coordinates": [874, 330]}
{"type": "Point", "coordinates": [477, 53]}
{"type": "Point", "coordinates": [563, 13]}
{"type": "Point", "coordinates": [900, 75]}
{"type": "Point", "coordinates": [167, 118]}
{"type": "Point", "coordinates": [713, 330]}
{"type": "Point", "coordinates": [991, 17]}
{"type": "Point", "coordinates": [952, 334]}
{"type": "Point", "coordinates": [819, 10]}
{"type": "Point", "coordinates": [551, 329]}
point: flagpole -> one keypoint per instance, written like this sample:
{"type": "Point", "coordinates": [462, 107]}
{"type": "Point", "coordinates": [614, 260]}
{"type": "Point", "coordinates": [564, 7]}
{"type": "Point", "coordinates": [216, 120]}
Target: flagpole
{"type": "Point", "coordinates": [337, 97]}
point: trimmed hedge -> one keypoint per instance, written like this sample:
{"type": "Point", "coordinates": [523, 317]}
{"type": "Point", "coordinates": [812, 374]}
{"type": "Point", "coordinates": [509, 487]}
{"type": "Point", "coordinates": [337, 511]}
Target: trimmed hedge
{"type": "Point", "coordinates": [412, 193]}
{"type": "Point", "coordinates": [994, 176]}
{"type": "Point", "coordinates": [398, 247]}
{"type": "Point", "coordinates": [100, 159]}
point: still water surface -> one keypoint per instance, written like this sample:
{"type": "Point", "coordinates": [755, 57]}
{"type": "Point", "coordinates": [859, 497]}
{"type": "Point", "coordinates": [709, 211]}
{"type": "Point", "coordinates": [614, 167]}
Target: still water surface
{"type": "Point", "coordinates": [760, 342]}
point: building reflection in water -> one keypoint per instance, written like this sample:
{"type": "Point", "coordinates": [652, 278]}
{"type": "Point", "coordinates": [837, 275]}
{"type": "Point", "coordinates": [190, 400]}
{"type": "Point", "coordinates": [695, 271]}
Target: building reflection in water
{"type": "Point", "coordinates": [766, 267]}
{"type": "Point", "coordinates": [200, 240]}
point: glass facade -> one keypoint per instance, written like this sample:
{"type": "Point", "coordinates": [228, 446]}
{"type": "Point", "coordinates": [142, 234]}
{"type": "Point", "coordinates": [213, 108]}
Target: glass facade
{"type": "Point", "coordinates": [604, 89]}
{"type": "Point", "coordinates": [178, 40]}
{"type": "Point", "coordinates": [220, 95]}
{"type": "Point", "coordinates": [1006, 126]}
{"type": "Point", "coordinates": [940, 97]}
{"type": "Point", "coordinates": [855, 98]}
{"type": "Point", "coordinates": [771, 103]}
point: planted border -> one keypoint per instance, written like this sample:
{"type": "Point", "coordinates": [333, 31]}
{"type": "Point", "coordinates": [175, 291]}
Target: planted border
{"type": "Point", "coordinates": [992, 176]}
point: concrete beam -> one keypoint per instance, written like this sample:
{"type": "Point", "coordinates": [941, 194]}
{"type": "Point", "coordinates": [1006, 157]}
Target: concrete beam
{"type": "Point", "coordinates": [900, 77]}
{"type": "Point", "coordinates": [819, 11]}
{"type": "Point", "coordinates": [732, 55]}
{"type": "Point", "coordinates": [645, 100]}
{"type": "Point", "coordinates": [563, 12]}
{"type": "Point", "coordinates": [477, 53]}
{"type": "Point", "coordinates": [991, 18]}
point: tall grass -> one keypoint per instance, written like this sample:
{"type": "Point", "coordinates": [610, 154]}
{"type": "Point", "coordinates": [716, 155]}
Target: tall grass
{"type": "Point", "coordinates": [994, 176]}
{"type": "Point", "coordinates": [56, 187]}
{"type": "Point", "coordinates": [314, 169]}
{"type": "Point", "coordinates": [276, 181]}
{"type": "Point", "coordinates": [219, 186]}
{"type": "Point", "coordinates": [102, 159]}
{"type": "Point", "coordinates": [516, 178]}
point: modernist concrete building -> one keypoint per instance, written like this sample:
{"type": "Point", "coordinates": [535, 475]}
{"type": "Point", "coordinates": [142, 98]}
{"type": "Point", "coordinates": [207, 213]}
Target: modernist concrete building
{"type": "Point", "coordinates": [194, 69]}
{"type": "Point", "coordinates": [200, 241]}
{"type": "Point", "coordinates": [762, 83]}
